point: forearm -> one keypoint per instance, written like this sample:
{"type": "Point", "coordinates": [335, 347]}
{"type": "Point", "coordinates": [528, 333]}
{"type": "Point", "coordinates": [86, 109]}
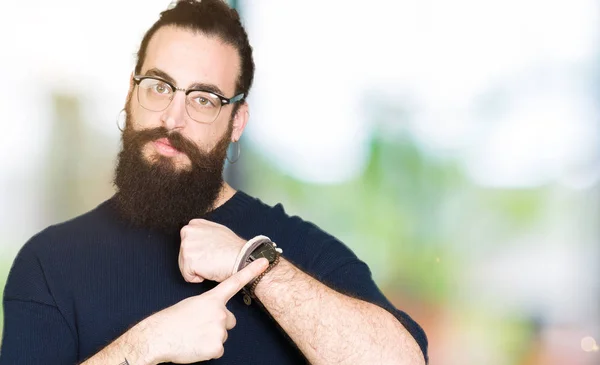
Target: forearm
{"type": "Point", "coordinates": [332, 328]}
{"type": "Point", "coordinates": [130, 348]}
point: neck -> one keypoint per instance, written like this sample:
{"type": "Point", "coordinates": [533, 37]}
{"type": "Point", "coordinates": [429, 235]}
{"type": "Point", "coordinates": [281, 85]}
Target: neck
{"type": "Point", "coordinates": [224, 195]}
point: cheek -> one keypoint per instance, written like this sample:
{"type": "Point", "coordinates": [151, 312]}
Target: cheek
{"type": "Point", "coordinates": [220, 129]}
{"type": "Point", "coordinates": [144, 119]}
{"type": "Point", "coordinates": [205, 136]}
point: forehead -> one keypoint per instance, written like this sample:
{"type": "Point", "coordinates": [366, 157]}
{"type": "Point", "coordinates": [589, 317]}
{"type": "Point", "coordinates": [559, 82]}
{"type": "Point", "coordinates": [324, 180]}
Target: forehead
{"type": "Point", "coordinates": [191, 57]}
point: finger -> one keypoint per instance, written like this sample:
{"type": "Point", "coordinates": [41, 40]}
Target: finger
{"type": "Point", "coordinates": [184, 231]}
{"type": "Point", "coordinates": [188, 274]}
{"type": "Point", "coordinates": [236, 282]}
{"type": "Point", "coordinates": [197, 279]}
{"type": "Point", "coordinates": [191, 277]}
{"type": "Point", "coordinates": [225, 336]}
{"type": "Point", "coordinates": [230, 321]}
{"type": "Point", "coordinates": [199, 222]}
{"type": "Point", "coordinates": [181, 264]}
{"type": "Point", "coordinates": [219, 352]}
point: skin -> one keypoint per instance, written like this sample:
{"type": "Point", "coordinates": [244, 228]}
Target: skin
{"type": "Point", "coordinates": [328, 327]}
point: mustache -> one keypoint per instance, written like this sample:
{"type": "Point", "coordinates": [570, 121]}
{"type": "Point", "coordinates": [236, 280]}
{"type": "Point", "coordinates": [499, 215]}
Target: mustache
{"type": "Point", "coordinates": [178, 141]}
{"type": "Point", "coordinates": [212, 160]}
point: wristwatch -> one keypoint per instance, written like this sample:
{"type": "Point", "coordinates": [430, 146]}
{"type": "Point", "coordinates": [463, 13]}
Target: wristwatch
{"type": "Point", "coordinates": [267, 249]}
{"type": "Point", "coordinates": [259, 246]}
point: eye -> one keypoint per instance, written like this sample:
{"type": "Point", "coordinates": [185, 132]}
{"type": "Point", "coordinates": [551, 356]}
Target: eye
{"type": "Point", "coordinates": [203, 101]}
{"type": "Point", "coordinates": [161, 88]}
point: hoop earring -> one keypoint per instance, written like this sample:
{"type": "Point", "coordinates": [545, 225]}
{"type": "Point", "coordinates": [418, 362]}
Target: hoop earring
{"type": "Point", "coordinates": [119, 118]}
{"type": "Point", "coordinates": [238, 153]}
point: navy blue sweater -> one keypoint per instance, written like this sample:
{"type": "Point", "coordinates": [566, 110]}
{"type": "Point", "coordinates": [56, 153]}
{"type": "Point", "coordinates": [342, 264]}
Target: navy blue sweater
{"type": "Point", "coordinates": [76, 286]}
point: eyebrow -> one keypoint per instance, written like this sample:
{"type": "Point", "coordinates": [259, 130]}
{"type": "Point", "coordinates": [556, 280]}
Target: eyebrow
{"type": "Point", "coordinates": [195, 86]}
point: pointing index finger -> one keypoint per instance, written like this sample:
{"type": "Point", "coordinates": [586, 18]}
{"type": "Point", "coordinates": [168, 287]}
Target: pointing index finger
{"type": "Point", "coordinates": [228, 288]}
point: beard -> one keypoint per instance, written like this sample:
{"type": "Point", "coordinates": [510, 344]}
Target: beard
{"type": "Point", "coordinates": [156, 194]}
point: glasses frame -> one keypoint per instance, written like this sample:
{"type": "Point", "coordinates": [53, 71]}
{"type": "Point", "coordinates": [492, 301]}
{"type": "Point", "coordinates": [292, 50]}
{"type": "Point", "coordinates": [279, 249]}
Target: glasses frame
{"type": "Point", "coordinates": [137, 79]}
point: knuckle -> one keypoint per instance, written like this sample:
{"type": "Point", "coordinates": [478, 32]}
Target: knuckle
{"type": "Point", "coordinates": [195, 221]}
{"type": "Point", "coordinates": [220, 352]}
{"type": "Point", "coordinates": [190, 273]}
{"type": "Point", "coordinates": [183, 232]}
{"type": "Point", "coordinates": [186, 250]}
{"type": "Point", "coordinates": [189, 239]}
{"type": "Point", "coordinates": [213, 306]}
{"type": "Point", "coordinates": [221, 315]}
{"type": "Point", "coordinates": [187, 271]}
{"type": "Point", "coordinates": [186, 255]}
{"type": "Point", "coordinates": [217, 350]}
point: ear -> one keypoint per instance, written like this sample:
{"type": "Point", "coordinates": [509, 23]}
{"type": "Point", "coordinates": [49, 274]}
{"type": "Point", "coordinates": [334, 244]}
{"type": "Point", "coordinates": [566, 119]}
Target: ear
{"type": "Point", "coordinates": [131, 86]}
{"type": "Point", "coordinates": [239, 122]}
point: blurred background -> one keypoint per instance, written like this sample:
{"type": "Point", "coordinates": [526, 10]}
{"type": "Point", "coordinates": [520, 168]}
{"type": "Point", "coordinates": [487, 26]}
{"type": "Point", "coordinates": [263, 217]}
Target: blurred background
{"type": "Point", "coordinates": [453, 145]}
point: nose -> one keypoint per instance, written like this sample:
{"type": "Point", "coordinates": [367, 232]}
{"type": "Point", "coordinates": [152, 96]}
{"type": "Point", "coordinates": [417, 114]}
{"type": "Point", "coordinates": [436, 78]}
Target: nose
{"type": "Point", "coordinates": [174, 116]}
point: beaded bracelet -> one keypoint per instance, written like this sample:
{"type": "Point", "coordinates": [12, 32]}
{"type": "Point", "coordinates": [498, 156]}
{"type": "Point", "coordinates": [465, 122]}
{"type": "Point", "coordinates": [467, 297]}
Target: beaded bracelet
{"type": "Point", "coordinates": [250, 291]}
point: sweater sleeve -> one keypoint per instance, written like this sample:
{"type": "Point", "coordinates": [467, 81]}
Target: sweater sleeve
{"type": "Point", "coordinates": [35, 331]}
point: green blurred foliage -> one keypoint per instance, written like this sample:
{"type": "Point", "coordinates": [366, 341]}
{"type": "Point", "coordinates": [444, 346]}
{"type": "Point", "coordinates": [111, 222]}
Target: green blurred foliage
{"type": "Point", "coordinates": [406, 214]}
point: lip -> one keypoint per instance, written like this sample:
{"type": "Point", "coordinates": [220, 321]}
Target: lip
{"type": "Point", "coordinates": [163, 147]}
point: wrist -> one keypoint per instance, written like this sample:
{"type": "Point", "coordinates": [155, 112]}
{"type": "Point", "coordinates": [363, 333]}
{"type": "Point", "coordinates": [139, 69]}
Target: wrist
{"type": "Point", "coordinates": [251, 287]}
{"type": "Point", "coordinates": [239, 253]}
{"type": "Point", "coordinates": [282, 272]}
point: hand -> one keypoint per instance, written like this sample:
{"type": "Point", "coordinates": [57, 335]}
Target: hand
{"type": "Point", "coordinates": [208, 251]}
{"type": "Point", "coordinates": [195, 328]}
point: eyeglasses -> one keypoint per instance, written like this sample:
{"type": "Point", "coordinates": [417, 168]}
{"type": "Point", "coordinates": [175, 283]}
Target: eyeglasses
{"type": "Point", "coordinates": [156, 94]}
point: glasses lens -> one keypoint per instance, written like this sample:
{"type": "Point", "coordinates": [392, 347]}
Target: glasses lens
{"type": "Point", "coordinates": [203, 106]}
{"type": "Point", "coordinates": [154, 94]}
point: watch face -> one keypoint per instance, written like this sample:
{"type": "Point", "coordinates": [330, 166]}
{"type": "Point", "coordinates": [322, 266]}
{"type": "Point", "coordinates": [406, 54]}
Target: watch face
{"type": "Point", "coordinates": [267, 251]}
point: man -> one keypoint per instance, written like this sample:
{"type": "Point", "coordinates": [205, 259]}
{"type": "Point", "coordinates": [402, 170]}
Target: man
{"type": "Point", "coordinates": [178, 266]}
